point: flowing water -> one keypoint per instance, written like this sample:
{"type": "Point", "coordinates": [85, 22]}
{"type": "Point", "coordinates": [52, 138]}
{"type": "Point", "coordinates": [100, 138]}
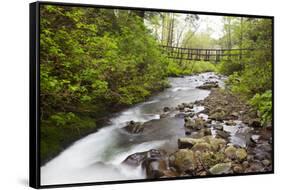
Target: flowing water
{"type": "Point", "coordinates": [97, 157]}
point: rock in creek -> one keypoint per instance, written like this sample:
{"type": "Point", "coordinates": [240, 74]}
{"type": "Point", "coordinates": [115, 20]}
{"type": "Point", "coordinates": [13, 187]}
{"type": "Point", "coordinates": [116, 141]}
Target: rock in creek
{"type": "Point", "coordinates": [135, 159]}
{"type": "Point", "coordinates": [255, 138]}
{"type": "Point", "coordinates": [195, 124]}
{"type": "Point", "coordinates": [222, 134]}
{"type": "Point", "coordinates": [216, 143]}
{"type": "Point", "coordinates": [140, 157]}
{"type": "Point", "coordinates": [201, 147]}
{"type": "Point", "coordinates": [154, 162]}
{"type": "Point", "coordinates": [230, 152]}
{"type": "Point", "coordinates": [185, 107]}
{"type": "Point", "coordinates": [210, 159]}
{"type": "Point", "coordinates": [217, 126]}
{"type": "Point", "coordinates": [180, 115]}
{"type": "Point", "coordinates": [239, 154]}
{"type": "Point", "coordinates": [230, 122]}
{"type": "Point", "coordinates": [187, 142]}
{"type": "Point", "coordinates": [164, 115]}
{"type": "Point", "coordinates": [209, 85]}
{"type": "Point", "coordinates": [253, 122]}
{"type": "Point", "coordinates": [213, 143]}
{"type": "Point", "coordinates": [188, 131]}
{"type": "Point", "coordinates": [166, 109]}
{"type": "Point", "coordinates": [134, 127]}
{"type": "Point", "coordinates": [190, 105]}
{"type": "Point", "coordinates": [155, 168]}
{"type": "Point", "coordinates": [184, 160]}
{"type": "Point", "coordinates": [234, 115]}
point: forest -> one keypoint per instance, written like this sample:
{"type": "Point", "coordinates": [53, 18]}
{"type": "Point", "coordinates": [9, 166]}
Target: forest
{"type": "Point", "coordinates": [95, 62]}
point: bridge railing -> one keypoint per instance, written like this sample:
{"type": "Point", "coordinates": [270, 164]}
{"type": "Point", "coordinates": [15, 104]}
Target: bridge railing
{"type": "Point", "coordinates": [203, 54]}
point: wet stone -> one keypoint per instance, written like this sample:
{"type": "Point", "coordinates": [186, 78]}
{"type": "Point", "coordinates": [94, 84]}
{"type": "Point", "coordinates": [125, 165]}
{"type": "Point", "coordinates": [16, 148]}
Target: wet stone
{"type": "Point", "coordinates": [222, 134]}
{"type": "Point", "coordinates": [255, 138]}
{"type": "Point", "coordinates": [166, 109]}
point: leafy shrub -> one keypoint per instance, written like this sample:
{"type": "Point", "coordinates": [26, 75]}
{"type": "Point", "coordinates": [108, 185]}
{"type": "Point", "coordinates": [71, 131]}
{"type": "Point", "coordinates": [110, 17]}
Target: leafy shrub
{"type": "Point", "coordinates": [229, 66]}
{"type": "Point", "coordinates": [263, 103]}
{"type": "Point", "coordinates": [190, 67]}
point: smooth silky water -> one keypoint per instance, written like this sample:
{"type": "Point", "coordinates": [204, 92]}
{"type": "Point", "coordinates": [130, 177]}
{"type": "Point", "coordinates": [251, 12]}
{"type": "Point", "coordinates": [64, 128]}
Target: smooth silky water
{"type": "Point", "coordinates": [98, 156]}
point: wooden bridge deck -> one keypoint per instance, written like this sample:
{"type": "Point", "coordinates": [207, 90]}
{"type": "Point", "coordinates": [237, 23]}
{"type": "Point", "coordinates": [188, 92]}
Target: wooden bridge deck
{"type": "Point", "coordinates": [203, 54]}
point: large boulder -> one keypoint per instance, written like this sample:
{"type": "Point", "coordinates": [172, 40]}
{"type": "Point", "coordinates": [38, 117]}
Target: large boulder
{"type": "Point", "coordinates": [155, 168]}
{"type": "Point", "coordinates": [135, 159]}
{"type": "Point", "coordinates": [134, 127]}
{"type": "Point", "coordinates": [139, 158]}
{"type": "Point", "coordinates": [154, 162]}
{"type": "Point", "coordinates": [184, 160]}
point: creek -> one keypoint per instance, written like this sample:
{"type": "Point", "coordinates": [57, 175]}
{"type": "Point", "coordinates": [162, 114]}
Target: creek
{"type": "Point", "coordinates": [97, 157]}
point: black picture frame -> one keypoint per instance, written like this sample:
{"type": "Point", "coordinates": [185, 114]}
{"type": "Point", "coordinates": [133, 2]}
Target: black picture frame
{"type": "Point", "coordinates": [34, 92]}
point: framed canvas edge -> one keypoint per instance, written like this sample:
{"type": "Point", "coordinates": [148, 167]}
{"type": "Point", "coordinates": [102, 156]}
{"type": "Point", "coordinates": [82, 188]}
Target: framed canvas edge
{"type": "Point", "coordinates": [34, 93]}
{"type": "Point", "coordinates": [34, 73]}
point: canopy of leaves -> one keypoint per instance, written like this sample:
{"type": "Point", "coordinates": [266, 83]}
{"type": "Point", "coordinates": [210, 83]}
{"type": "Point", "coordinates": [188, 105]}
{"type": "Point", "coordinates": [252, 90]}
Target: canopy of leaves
{"type": "Point", "coordinates": [91, 62]}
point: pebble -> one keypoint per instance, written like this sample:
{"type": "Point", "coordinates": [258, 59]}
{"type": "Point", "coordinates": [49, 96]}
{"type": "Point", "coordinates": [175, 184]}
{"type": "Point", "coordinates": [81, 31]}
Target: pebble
{"type": "Point", "coordinates": [266, 162]}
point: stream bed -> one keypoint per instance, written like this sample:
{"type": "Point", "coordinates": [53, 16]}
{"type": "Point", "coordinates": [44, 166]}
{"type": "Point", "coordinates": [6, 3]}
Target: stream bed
{"type": "Point", "coordinates": [98, 156]}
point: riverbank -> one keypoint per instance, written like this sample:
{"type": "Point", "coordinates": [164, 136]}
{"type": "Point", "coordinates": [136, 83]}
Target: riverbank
{"type": "Point", "coordinates": [225, 137]}
{"type": "Point", "coordinates": [157, 137]}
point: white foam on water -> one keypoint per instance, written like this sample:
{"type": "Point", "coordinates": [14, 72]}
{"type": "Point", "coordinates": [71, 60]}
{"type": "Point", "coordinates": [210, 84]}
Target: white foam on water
{"type": "Point", "coordinates": [97, 157]}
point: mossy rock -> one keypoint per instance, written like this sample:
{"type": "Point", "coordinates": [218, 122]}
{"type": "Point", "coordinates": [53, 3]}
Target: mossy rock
{"type": "Point", "coordinates": [241, 154]}
{"type": "Point", "coordinates": [222, 168]}
{"type": "Point", "coordinates": [187, 142]}
{"type": "Point", "coordinates": [216, 143]}
{"type": "Point", "coordinates": [230, 152]}
{"type": "Point", "coordinates": [184, 160]}
{"type": "Point", "coordinates": [202, 147]}
{"type": "Point", "coordinates": [210, 159]}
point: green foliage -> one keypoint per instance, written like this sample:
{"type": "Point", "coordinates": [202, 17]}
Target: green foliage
{"type": "Point", "coordinates": [91, 62]}
{"type": "Point", "coordinates": [229, 66]}
{"type": "Point", "coordinates": [61, 119]}
{"type": "Point", "coordinates": [251, 76]}
{"type": "Point", "coordinates": [263, 103]}
{"type": "Point", "coordinates": [190, 67]}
